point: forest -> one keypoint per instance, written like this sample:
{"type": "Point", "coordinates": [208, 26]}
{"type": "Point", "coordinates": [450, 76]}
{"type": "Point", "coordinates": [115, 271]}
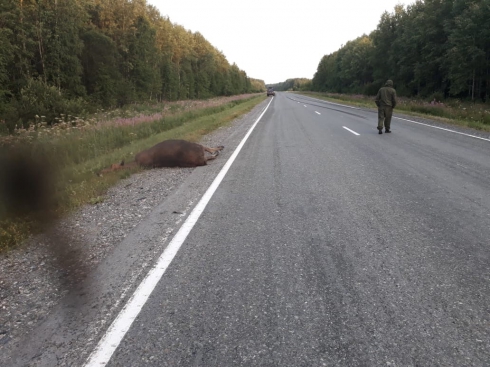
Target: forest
{"type": "Point", "coordinates": [294, 84]}
{"type": "Point", "coordinates": [431, 49]}
{"type": "Point", "coordinates": [73, 56]}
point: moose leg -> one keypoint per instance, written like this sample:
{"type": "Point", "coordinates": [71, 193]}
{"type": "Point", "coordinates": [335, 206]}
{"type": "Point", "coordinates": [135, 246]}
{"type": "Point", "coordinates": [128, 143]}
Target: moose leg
{"type": "Point", "coordinates": [211, 157]}
{"type": "Point", "coordinates": [213, 150]}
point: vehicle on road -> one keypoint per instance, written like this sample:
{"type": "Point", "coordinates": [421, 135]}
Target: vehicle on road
{"type": "Point", "coordinates": [270, 92]}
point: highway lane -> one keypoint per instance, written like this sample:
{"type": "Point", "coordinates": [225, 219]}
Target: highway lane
{"type": "Point", "coordinates": [322, 247]}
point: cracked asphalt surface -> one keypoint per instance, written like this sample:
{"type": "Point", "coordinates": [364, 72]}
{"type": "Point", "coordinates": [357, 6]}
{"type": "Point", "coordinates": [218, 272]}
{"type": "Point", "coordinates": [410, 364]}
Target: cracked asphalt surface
{"type": "Point", "coordinates": [323, 248]}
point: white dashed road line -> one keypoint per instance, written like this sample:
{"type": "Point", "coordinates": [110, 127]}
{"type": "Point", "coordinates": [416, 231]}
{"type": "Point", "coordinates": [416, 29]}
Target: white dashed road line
{"type": "Point", "coordinates": [304, 105]}
{"type": "Point", "coordinates": [336, 104]}
{"type": "Point", "coordinates": [399, 118]}
{"type": "Point", "coordinates": [318, 112]}
{"type": "Point", "coordinates": [353, 132]}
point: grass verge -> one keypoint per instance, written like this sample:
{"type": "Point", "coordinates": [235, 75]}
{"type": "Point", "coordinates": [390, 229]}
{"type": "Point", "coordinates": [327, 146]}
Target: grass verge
{"type": "Point", "coordinates": [79, 155]}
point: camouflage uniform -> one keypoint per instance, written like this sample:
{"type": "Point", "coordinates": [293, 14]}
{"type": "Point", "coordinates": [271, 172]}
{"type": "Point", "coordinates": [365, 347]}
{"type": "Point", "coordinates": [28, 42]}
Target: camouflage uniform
{"type": "Point", "coordinates": [386, 101]}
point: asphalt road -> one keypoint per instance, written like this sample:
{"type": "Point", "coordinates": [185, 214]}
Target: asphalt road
{"type": "Point", "coordinates": [326, 248]}
{"type": "Point", "coordinates": [325, 244]}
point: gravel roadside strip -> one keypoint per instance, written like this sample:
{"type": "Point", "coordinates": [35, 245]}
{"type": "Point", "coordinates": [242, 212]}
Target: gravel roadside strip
{"type": "Point", "coordinates": [32, 285]}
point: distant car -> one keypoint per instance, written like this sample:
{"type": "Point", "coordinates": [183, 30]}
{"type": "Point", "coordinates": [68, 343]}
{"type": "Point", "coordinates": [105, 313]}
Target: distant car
{"type": "Point", "coordinates": [270, 92]}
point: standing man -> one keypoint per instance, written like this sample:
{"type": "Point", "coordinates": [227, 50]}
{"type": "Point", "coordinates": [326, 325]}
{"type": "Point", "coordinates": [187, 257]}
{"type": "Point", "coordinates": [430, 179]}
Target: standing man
{"type": "Point", "coordinates": [386, 101]}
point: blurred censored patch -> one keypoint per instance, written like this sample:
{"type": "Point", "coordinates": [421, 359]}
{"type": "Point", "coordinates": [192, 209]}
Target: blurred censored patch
{"type": "Point", "coordinates": [27, 186]}
{"type": "Point", "coordinates": [28, 194]}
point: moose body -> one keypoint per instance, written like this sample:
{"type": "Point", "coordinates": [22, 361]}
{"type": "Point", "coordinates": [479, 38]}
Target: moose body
{"type": "Point", "coordinates": [176, 153]}
{"type": "Point", "coordinates": [171, 153]}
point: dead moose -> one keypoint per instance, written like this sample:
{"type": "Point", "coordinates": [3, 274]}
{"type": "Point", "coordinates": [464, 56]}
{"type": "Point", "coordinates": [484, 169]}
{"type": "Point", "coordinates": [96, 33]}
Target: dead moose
{"type": "Point", "coordinates": [171, 153]}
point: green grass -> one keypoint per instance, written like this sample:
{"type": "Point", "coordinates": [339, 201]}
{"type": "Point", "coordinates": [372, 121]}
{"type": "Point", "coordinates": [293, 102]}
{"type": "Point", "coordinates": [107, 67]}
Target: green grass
{"type": "Point", "coordinates": [475, 116]}
{"type": "Point", "coordinates": [80, 155]}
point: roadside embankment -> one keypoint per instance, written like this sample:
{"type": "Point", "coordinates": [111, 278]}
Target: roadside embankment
{"type": "Point", "coordinates": [75, 150]}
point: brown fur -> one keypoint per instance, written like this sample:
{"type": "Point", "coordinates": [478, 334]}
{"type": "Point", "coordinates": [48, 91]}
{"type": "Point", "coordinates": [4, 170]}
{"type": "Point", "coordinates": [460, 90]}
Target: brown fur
{"type": "Point", "coordinates": [171, 153]}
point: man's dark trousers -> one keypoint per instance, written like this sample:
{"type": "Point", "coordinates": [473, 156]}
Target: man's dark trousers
{"type": "Point", "coordinates": [384, 116]}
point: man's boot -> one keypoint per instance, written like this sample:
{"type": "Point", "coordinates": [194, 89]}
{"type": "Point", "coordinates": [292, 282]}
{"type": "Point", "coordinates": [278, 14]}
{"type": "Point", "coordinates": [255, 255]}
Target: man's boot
{"type": "Point", "coordinates": [380, 131]}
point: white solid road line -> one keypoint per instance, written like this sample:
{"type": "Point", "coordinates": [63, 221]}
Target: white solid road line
{"type": "Point", "coordinates": [441, 128]}
{"type": "Point", "coordinates": [115, 333]}
{"type": "Point", "coordinates": [353, 132]}
{"type": "Point", "coordinates": [336, 104]}
{"type": "Point", "coordinates": [318, 112]}
{"type": "Point", "coordinates": [415, 122]}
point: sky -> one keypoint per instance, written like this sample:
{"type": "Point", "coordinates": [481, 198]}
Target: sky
{"type": "Point", "coordinates": [275, 40]}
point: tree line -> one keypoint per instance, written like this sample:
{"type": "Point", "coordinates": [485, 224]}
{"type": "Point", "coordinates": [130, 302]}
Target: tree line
{"type": "Point", "coordinates": [437, 48]}
{"type": "Point", "coordinates": [67, 56]}
{"type": "Point", "coordinates": [294, 84]}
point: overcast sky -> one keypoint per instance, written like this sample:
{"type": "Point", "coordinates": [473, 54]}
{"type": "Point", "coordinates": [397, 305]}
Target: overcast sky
{"type": "Point", "coordinates": [275, 40]}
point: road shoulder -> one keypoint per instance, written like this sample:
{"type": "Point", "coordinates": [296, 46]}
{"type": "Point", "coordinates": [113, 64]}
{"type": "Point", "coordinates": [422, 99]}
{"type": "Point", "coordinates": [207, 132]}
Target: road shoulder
{"type": "Point", "coordinates": [117, 241]}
